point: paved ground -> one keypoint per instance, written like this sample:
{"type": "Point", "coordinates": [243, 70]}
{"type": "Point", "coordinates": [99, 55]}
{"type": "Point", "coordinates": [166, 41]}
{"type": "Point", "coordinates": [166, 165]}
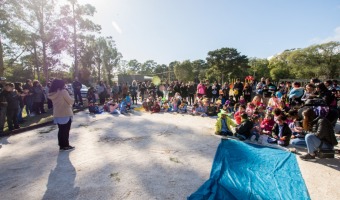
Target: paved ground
{"type": "Point", "coordinates": [138, 156]}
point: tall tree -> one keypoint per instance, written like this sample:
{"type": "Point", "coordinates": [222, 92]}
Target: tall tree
{"type": "Point", "coordinates": [184, 71]}
{"type": "Point", "coordinates": [76, 24]}
{"type": "Point", "coordinates": [227, 60]}
{"type": "Point", "coordinates": [111, 58]}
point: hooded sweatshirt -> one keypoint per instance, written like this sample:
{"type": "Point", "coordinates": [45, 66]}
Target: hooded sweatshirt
{"type": "Point", "coordinates": [62, 103]}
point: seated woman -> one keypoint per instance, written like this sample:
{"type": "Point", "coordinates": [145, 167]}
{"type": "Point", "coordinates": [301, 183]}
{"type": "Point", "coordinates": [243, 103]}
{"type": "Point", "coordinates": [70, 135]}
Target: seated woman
{"type": "Point", "coordinates": [320, 134]}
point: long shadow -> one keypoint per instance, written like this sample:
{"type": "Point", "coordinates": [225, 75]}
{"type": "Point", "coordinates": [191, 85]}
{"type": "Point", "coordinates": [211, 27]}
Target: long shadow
{"type": "Point", "coordinates": [61, 180]}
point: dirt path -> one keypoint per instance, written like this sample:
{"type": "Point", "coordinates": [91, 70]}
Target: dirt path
{"type": "Point", "coordinates": [141, 156]}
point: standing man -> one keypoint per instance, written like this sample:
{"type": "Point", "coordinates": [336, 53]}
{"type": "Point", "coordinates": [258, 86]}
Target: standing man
{"type": "Point", "coordinates": [238, 89]}
{"type": "Point", "coordinates": [76, 90]}
{"type": "Point", "coordinates": [3, 104]}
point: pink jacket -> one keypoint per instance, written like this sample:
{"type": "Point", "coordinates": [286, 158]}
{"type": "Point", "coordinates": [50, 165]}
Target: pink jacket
{"type": "Point", "coordinates": [201, 89]}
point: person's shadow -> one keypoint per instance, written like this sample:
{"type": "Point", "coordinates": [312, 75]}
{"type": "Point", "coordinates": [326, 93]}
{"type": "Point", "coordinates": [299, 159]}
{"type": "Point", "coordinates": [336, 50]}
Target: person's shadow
{"type": "Point", "coordinates": [61, 180]}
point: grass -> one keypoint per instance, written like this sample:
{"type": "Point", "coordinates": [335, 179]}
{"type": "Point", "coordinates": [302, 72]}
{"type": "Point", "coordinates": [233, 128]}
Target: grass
{"type": "Point", "coordinates": [30, 121]}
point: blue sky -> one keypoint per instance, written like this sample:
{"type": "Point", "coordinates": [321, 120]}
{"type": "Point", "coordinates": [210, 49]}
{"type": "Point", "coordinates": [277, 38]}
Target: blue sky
{"type": "Point", "coordinates": [169, 30]}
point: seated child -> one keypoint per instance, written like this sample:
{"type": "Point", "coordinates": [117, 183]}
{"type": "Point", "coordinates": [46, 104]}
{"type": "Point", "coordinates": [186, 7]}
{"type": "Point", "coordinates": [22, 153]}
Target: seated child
{"type": "Point", "coordinates": [267, 124]}
{"type": "Point", "coordinates": [211, 110]}
{"type": "Point", "coordinates": [250, 109]}
{"type": "Point", "coordinates": [273, 102]}
{"type": "Point", "coordinates": [242, 101]}
{"type": "Point", "coordinates": [128, 101]}
{"type": "Point", "coordinates": [113, 108]}
{"type": "Point", "coordinates": [232, 103]}
{"type": "Point", "coordinates": [223, 124]}
{"type": "Point", "coordinates": [243, 131]}
{"type": "Point", "coordinates": [298, 136]}
{"type": "Point", "coordinates": [94, 109]}
{"type": "Point", "coordinates": [277, 112]}
{"type": "Point", "coordinates": [122, 107]}
{"type": "Point", "coordinates": [256, 130]}
{"type": "Point", "coordinates": [156, 108]}
{"type": "Point", "coordinates": [200, 110]}
{"type": "Point", "coordinates": [183, 106]}
{"type": "Point", "coordinates": [237, 115]}
{"type": "Point", "coordinates": [281, 132]}
{"type": "Point", "coordinates": [165, 107]}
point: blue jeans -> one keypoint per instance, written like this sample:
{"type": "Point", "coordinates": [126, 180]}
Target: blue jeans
{"type": "Point", "coordinates": [29, 104]}
{"type": "Point", "coordinates": [299, 142]}
{"type": "Point", "coordinates": [314, 142]}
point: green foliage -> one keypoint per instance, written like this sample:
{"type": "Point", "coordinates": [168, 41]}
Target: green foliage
{"type": "Point", "coordinates": [227, 62]}
{"type": "Point", "coordinates": [184, 71]}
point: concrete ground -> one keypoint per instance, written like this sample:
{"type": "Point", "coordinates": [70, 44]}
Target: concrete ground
{"type": "Point", "coordinates": [136, 156]}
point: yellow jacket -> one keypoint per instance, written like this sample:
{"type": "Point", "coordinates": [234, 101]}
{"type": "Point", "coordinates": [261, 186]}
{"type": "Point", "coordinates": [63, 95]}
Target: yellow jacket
{"type": "Point", "coordinates": [218, 125]}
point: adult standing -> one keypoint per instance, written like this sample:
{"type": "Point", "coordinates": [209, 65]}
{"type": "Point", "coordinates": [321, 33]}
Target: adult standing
{"type": "Point", "coordinates": [115, 91]}
{"type": "Point", "coordinates": [28, 90]}
{"type": "Point", "coordinates": [38, 98]}
{"type": "Point", "coordinates": [3, 104]}
{"type": "Point", "coordinates": [133, 91]}
{"type": "Point", "coordinates": [215, 91]}
{"type": "Point", "coordinates": [125, 90]}
{"type": "Point", "coordinates": [191, 92]}
{"type": "Point", "coordinates": [76, 91]}
{"type": "Point", "coordinates": [238, 89]}
{"type": "Point", "coordinates": [142, 90]}
{"type": "Point", "coordinates": [13, 99]}
{"type": "Point", "coordinates": [62, 112]}
{"type": "Point", "coordinates": [260, 85]}
{"type": "Point", "coordinates": [268, 90]}
{"type": "Point", "coordinates": [101, 89]}
{"type": "Point", "coordinates": [208, 92]}
{"type": "Point", "coordinates": [201, 89]}
{"type": "Point", "coordinates": [184, 91]}
{"type": "Point", "coordinates": [247, 90]}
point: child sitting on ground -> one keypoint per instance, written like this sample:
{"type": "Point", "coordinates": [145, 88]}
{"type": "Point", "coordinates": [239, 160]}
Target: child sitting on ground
{"type": "Point", "coordinates": [256, 130]}
{"type": "Point", "coordinates": [155, 108]}
{"type": "Point", "coordinates": [113, 108]}
{"type": "Point", "coordinates": [237, 115]}
{"type": "Point", "coordinates": [243, 131]}
{"type": "Point", "coordinates": [281, 132]}
{"type": "Point", "coordinates": [128, 101]}
{"type": "Point", "coordinates": [223, 124]}
{"type": "Point", "coordinates": [211, 110]}
{"type": "Point", "coordinates": [242, 101]}
{"type": "Point", "coordinates": [250, 109]}
{"type": "Point", "coordinates": [277, 112]}
{"type": "Point", "coordinates": [183, 106]}
{"type": "Point", "coordinates": [232, 104]}
{"type": "Point", "coordinates": [267, 124]}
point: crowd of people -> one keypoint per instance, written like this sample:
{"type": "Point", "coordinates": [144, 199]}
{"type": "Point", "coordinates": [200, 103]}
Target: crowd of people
{"type": "Point", "coordinates": [284, 113]}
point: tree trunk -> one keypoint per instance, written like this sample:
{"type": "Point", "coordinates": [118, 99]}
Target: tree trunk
{"type": "Point", "coordinates": [36, 60]}
{"type": "Point", "coordinates": [75, 51]}
{"type": "Point", "coordinates": [2, 67]}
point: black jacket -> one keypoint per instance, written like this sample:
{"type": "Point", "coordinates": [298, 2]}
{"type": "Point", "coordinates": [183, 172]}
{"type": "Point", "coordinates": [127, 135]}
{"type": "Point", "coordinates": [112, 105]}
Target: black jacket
{"type": "Point", "coordinates": [13, 100]}
{"type": "Point", "coordinates": [323, 129]}
{"type": "Point", "coordinates": [286, 131]}
{"type": "Point", "coordinates": [244, 128]}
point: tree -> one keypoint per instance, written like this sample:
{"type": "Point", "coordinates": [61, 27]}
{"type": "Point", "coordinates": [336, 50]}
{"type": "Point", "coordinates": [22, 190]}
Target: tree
{"type": "Point", "coordinates": [134, 66]}
{"type": "Point", "coordinates": [184, 71]}
{"type": "Point", "coordinates": [227, 61]}
{"type": "Point", "coordinates": [259, 68]}
{"type": "Point", "coordinates": [76, 25]}
{"type": "Point", "coordinates": [199, 69]}
{"type": "Point", "coordinates": [148, 67]}
{"type": "Point", "coordinates": [111, 58]}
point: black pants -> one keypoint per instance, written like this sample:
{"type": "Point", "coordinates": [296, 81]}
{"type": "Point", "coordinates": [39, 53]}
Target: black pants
{"type": "Point", "coordinates": [12, 118]}
{"type": "Point", "coordinates": [191, 99]}
{"type": "Point", "coordinates": [38, 107]}
{"type": "Point", "coordinates": [77, 95]}
{"type": "Point", "coordinates": [63, 134]}
{"type": "Point", "coordinates": [134, 98]}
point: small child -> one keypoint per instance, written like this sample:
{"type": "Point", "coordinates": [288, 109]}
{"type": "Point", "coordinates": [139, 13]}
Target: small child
{"type": "Point", "coordinates": [243, 131]}
{"type": "Point", "coordinates": [267, 124]}
{"type": "Point", "coordinates": [238, 114]}
{"type": "Point", "coordinates": [128, 101]}
{"type": "Point", "coordinates": [211, 110]}
{"type": "Point", "coordinates": [232, 103]}
{"type": "Point", "coordinates": [281, 132]}
{"type": "Point", "coordinates": [183, 107]}
{"type": "Point", "coordinates": [242, 101]}
{"type": "Point", "coordinates": [250, 109]}
{"type": "Point", "coordinates": [122, 107]}
{"type": "Point", "coordinates": [155, 108]}
{"type": "Point", "coordinates": [277, 112]}
{"type": "Point", "coordinates": [256, 131]}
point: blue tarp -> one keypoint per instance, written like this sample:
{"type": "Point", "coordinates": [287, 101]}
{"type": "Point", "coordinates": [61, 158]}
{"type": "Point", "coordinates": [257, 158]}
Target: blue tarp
{"type": "Point", "coordinates": [248, 171]}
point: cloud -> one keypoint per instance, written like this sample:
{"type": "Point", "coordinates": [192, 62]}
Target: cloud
{"type": "Point", "coordinates": [116, 27]}
{"type": "Point", "coordinates": [334, 37]}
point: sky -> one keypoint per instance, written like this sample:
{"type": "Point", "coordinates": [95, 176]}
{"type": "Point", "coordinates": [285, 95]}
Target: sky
{"type": "Point", "coordinates": [178, 30]}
